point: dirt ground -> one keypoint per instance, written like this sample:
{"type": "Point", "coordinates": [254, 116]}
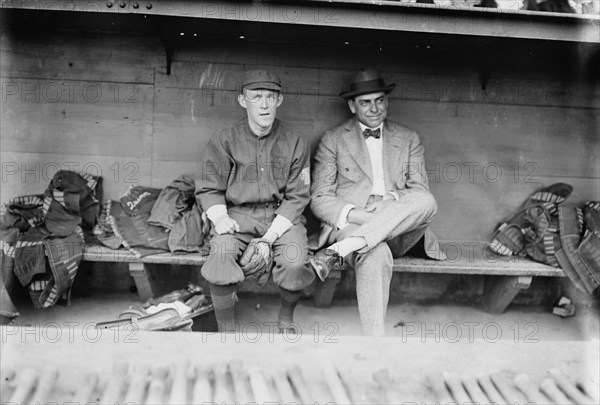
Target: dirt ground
{"type": "Point", "coordinates": [435, 342]}
{"type": "Point", "coordinates": [436, 322]}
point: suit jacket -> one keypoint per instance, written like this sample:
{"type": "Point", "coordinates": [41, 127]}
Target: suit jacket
{"type": "Point", "coordinates": [342, 173]}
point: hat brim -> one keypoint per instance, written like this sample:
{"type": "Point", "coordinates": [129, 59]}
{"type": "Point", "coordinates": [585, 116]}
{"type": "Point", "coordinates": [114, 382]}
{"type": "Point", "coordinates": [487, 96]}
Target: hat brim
{"type": "Point", "coordinates": [262, 86]}
{"type": "Point", "coordinates": [386, 89]}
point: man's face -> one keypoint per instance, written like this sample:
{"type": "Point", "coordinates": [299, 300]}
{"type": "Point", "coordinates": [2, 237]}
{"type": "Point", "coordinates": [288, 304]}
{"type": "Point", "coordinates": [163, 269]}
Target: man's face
{"type": "Point", "coordinates": [370, 109]}
{"type": "Point", "coordinates": [261, 105]}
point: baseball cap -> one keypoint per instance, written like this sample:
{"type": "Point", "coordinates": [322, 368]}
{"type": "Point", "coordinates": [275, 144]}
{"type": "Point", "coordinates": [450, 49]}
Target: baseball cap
{"type": "Point", "coordinates": [261, 79]}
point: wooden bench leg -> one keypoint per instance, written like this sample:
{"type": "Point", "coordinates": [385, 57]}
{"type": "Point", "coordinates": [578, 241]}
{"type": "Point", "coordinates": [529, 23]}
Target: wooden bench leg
{"type": "Point", "coordinates": [142, 280]}
{"type": "Point", "coordinates": [499, 291]}
{"type": "Point", "coordinates": [325, 289]}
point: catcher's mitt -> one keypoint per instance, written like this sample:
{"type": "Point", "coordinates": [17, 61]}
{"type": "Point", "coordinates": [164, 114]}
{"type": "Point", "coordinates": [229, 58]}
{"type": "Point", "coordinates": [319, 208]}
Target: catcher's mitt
{"type": "Point", "coordinates": [257, 260]}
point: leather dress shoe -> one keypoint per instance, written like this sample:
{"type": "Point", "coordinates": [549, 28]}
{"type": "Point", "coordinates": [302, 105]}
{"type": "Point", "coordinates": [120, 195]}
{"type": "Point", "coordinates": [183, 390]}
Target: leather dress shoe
{"type": "Point", "coordinates": [324, 261]}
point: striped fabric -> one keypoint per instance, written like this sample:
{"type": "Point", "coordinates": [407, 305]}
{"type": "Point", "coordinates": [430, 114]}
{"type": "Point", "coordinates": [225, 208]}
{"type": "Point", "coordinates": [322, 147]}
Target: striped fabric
{"type": "Point", "coordinates": [54, 235]}
{"type": "Point", "coordinates": [92, 181]}
{"type": "Point", "coordinates": [555, 194]}
{"type": "Point", "coordinates": [29, 203]}
{"type": "Point", "coordinates": [113, 223]}
{"type": "Point", "coordinates": [538, 225]}
{"type": "Point", "coordinates": [7, 249]}
{"type": "Point", "coordinates": [64, 256]}
{"type": "Point", "coordinates": [59, 196]}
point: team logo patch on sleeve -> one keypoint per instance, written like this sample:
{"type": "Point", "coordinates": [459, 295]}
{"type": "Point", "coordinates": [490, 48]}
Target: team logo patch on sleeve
{"type": "Point", "coordinates": [305, 175]}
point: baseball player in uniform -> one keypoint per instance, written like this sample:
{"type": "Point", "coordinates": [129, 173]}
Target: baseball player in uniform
{"type": "Point", "coordinates": [254, 183]}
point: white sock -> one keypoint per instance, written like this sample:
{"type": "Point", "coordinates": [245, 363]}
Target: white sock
{"type": "Point", "coordinates": [349, 245]}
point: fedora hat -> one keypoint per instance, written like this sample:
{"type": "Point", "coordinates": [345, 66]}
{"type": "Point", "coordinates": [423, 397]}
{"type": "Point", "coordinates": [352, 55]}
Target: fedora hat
{"type": "Point", "coordinates": [367, 81]}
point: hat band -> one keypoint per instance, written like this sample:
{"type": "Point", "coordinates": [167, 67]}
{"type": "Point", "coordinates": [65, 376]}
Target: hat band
{"type": "Point", "coordinates": [368, 85]}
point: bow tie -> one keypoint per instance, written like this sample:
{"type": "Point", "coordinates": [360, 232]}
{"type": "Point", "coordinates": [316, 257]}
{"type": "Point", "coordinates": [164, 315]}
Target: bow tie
{"type": "Point", "coordinates": [375, 133]}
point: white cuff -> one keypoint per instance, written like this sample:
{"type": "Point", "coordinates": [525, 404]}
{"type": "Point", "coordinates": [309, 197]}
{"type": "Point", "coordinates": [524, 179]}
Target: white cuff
{"type": "Point", "coordinates": [216, 211]}
{"type": "Point", "coordinates": [278, 227]}
{"type": "Point", "coordinates": [394, 194]}
{"type": "Point", "coordinates": [343, 218]}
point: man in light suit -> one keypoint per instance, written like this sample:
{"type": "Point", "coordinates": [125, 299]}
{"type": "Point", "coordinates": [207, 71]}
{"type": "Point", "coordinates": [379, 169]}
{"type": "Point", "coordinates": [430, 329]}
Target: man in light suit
{"type": "Point", "coordinates": [371, 192]}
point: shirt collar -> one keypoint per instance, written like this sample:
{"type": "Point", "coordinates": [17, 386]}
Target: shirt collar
{"type": "Point", "coordinates": [363, 127]}
{"type": "Point", "coordinates": [251, 133]}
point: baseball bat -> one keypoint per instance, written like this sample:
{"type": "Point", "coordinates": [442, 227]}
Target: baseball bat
{"type": "Point", "coordinates": [490, 390]}
{"type": "Point", "coordinates": [332, 378]}
{"type": "Point", "coordinates": [356, 392]}
{"type": "Point", "coordinates": [179, 386]}
{"type": "Point", "coordinates": [504, 384]}
{"type": "Point", "coordinates": [221, 387]}
{"type": "Point", "coordinates": [531, 392]}
{"type": "Point", "coordinates": [87, 387]}
{"type": "Point", "coordinates": [115, 384]}
{"type": "Point", "coordinates": [157, 386]}
{"type": "Point", "coordinates": [260, 387]}
{"type": "Point", "coordinates": [239, 378]}
{"type": "Point", "coordinates": [283, 387]}
{"type": "Point", "coordinates": [26, 380]}
{"type": "Point", "coordinates": [458, 392]}
{"type": "Point", "coordinates": [137, 385]}
{"type": "Point", "coordinates": [202, 387]}
{"type": "Point", "coordinates": [45, 385]}
{"type": "Point", "coordinates": [548, 387]}
{"type": "Point", "coordinates": [569, 388]}
{"type": "Point", "coordinates": [474, 390]}
{"type": "Point", "coordinates": [592, 390]}
{"type": "Point", "coordinates": [440, 391]}
{"type": "Point", "coordinates": [297, 379]}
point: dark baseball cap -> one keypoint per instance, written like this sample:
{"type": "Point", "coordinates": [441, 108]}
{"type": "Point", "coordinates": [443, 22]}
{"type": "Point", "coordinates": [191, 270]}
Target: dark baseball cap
{"type": "Point", "coordinates": [261, 79]}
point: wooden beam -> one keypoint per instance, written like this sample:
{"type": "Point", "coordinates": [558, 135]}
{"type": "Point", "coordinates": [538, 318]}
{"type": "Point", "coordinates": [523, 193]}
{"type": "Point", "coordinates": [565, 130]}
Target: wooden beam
{"type": "Point", "coordinates": [326, 289]}
{"type": "Point", "coordinates": [499, 291]}
{"type": "Point", "coordinates": [382, 15]}
{"type": "Point", "coordinates": [142, 280]}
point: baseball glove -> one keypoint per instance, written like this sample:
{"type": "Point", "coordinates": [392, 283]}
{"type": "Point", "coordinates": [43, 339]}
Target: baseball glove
{"type": "Point", "coordinates": [257, 260]}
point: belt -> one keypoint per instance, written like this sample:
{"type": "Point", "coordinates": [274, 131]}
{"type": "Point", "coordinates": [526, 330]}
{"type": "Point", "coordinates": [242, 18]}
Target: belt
{"type": "Point", "coordinates": [266, 204]}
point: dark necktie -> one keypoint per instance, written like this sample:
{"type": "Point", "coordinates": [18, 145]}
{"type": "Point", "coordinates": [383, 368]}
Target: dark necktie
{"type": "Point", "coordinates": [375, 133]}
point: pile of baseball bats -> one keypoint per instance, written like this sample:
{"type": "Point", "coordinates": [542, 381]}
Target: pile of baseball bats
{"type": "Point", "coordinates": [513, 388]}
{"type": "Point", "coordinates": [236, 383]}
{"type": "Point", "coordinates": [180, 383]}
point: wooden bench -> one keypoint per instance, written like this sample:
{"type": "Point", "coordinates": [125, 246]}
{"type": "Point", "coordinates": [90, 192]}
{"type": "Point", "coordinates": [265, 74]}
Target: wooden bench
{"type": "Point", "coordinates": [504, 276]}
{"type": "Point", "coordinates": [137, 269]}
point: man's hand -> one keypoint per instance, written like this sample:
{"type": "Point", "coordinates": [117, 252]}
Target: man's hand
{"type": "Point", "coordinates": [359, 217]}
{"type": "Point", "coordinates": [257, 259]}
{"type": "Point", "coordinates": [224, 224]}
{"type": "Point", "coordinates": [379, 206]}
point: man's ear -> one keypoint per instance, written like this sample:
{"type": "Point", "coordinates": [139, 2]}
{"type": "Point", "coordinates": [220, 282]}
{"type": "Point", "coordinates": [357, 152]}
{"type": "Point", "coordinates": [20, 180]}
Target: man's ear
{"type": "Point", "coordinates": [279, 99]}
{"type": "Point", "coordinates": [242, 100]}
{"type": "Point", "coordinates": [352, 106]}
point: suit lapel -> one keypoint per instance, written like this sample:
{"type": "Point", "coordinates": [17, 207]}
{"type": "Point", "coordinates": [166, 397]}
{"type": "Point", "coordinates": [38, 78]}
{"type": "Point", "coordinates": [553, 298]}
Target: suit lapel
{"type": "Point", "coordinates": [357, 147]}
{"type": "Point", "coordinates": [392, 145]}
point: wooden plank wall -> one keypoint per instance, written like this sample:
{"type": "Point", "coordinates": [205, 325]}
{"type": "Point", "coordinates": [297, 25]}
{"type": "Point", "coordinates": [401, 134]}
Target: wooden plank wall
{"type": "Point", "coordinates": [104, 103]}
